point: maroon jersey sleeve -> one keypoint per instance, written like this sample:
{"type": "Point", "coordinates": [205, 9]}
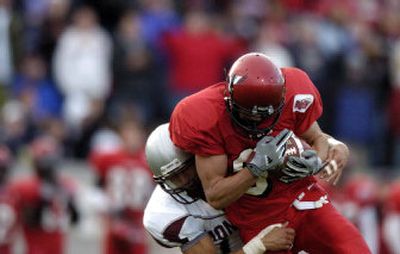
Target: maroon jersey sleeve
{"type": "Point", "coordinates": [302, 98]}
{"type": "Point", "coordinates": [194, 123]}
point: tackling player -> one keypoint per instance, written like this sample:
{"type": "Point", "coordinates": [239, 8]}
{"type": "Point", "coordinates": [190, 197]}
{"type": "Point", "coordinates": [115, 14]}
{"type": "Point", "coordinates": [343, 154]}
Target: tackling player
{"type": "Point", "coordinates": [225, 121]}
{"type": "Point", "coordinates": [176, 214]}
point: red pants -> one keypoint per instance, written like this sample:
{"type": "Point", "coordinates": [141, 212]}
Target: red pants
{"type": "Point", "coordinates": [318, 230]}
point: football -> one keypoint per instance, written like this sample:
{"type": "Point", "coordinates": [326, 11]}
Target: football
{"type": "Point", "coordinates": [295, 146]}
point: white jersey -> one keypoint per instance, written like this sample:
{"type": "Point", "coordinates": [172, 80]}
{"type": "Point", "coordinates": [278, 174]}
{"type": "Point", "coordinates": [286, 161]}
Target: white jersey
{"type": "Point", "coordinates": [173, 224]}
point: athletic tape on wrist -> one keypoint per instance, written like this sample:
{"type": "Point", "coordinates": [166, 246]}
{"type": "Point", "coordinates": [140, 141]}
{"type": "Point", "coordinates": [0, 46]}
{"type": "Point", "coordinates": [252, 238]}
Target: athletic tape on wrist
{"type": "Point", "coordinates": [254, 246]}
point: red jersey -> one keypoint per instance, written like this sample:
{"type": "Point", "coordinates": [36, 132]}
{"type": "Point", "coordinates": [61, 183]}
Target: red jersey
{"type": "Point", "coordinates": [391, 217]}
{"type": "Point", "coordinates": [128, 180]}
{"type": "Point", "coordinates": [200, 124]}
{"type": "Point", "coordinates": [43, 212]}
{"type": "Point", "coordinates": [211, 52]}
{"type": "Point", "coordinates": [392, 198]}
{"type": "Point", "coordinates": [128, 184]}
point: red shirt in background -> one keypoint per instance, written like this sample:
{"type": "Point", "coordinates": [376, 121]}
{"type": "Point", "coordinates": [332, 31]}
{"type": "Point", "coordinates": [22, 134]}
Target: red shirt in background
{"type": "Point", "coordinates": [197, 60]}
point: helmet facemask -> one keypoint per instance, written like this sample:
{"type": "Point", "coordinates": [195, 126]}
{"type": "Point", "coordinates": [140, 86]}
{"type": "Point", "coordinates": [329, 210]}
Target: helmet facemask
{"type": "Point", "coordinates": [255, 122]}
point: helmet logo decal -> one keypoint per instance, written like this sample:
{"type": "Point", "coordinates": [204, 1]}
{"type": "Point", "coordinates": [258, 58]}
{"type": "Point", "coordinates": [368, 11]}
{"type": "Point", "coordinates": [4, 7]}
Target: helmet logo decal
{"type": "Point", "coordinates": [302, 102]}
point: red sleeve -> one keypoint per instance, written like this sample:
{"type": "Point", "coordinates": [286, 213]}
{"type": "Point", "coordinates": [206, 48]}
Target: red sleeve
{"type": "Point", "coordinates": [194, 127]}
{"type": "Point", "coordinates": [392, 202]}
{"type": "Point", "coordinates": [26, 191]}
{"type": "Point", "coordinates": [303, 99]}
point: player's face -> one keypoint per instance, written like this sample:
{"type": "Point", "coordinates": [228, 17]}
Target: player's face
{"type": "Point", "coordinates": [184, 177]}
{"type": "Point", "coordinates": [255, 119]}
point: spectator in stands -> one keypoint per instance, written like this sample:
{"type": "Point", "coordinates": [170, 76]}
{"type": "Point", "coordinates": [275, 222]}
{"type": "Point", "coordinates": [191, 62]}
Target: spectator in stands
{"type": "Point", "coordinates": [134, 67]}
{"type": "Point", "coordinates": [82, 65]}
{"type": "Point", "coordinates": [197, 53]}
{"type": "Point", "coordinates": [11, 42]}
{"type": "Point", "coordinates": [39, 95]}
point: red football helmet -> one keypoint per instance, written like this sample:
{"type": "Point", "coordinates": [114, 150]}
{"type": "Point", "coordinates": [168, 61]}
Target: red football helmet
{"type": "Point", "coordinates": [256, 92]}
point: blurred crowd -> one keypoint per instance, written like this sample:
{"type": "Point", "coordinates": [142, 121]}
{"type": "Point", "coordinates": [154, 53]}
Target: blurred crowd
{"type": "Point", "coordinates": [85, 73]}
{"type": "Point", "coordinates": [70, 67]}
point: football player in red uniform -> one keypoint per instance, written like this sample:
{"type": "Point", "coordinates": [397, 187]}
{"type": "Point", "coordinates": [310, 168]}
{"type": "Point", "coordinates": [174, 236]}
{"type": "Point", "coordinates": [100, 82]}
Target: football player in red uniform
{"type": "Point", "coordinates": [127, 181]}
{"type": "Point", "coordinates": [221, 123]}
{"type": "Point", "coordinates": [8, 213]}
{"type": "Point", "coordinates": [178, 216]}
{"type": "Point", "coordinates": [45, 200]}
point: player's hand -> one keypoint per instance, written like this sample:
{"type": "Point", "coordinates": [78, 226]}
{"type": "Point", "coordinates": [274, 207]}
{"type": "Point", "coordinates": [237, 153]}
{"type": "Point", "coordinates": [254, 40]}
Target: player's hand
{"type": "Point", "coordinates": [299, 167]}
{"type": "Point", "coordinates": [338, 155]}
{"type": "Point", "coordinates": [275, 237]}
{"type": "Point", "coordinates": [268, 154]}
{"type": "Point", "coordinates": [279, 238]}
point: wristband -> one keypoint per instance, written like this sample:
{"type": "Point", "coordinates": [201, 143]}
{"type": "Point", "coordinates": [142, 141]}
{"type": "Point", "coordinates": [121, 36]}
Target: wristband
{"type": "Point", "coordinates": [254, 246]}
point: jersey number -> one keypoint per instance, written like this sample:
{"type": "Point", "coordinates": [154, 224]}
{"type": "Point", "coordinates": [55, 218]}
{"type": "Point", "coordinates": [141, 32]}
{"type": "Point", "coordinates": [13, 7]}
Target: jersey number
{"type": "Point", "coordinates": [129, 187]}
{"type": "Point", "coordinates": [261, 186]}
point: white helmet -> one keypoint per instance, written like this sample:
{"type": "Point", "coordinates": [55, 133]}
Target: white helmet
{"type": "Point", "coordinates": [166, 160]}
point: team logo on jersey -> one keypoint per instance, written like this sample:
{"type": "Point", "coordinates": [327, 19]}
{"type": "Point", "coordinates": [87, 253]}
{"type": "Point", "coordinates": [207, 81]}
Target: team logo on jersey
{"type": "Point", "coordinates": [302, 102]}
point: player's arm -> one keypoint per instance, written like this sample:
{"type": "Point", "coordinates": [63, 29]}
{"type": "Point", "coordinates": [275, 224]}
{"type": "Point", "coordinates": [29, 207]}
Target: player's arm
{"type": "Point", "coordinates": [273, 238]}
{"type": "Point", "coordinates": [222, 190]}
{"type": "Point", "coordinates": [205, 245]}
{"type": "Point", "coordinates": [334, 152]}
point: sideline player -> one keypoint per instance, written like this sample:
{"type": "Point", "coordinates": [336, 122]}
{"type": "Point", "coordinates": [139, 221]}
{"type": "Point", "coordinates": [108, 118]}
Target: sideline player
{"type": "Point", "coordinates": [127, 182]}
{"type": "Point", "coordinates": [177, 216]}
{"type": "Point", "coordinates": [45, 200]}
{"type": "Point", "coordinates": [228, 119]}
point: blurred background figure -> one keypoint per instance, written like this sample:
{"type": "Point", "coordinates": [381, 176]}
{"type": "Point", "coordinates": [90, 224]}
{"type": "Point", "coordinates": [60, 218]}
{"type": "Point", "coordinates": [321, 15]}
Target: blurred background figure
{"type": "Point", "coordinates": [391, 217]}
{"type": "Point", "coordinates": [54, 24]}
{"type": "Point", "coordinates": [16, 127]}
{"type": "Point", "coordinates": [82, 69]}
{"type": "Point", "coordinates": [361, 205]}
{"type": "Point", "coordinates": [134, 64]}
{"type": "Point", "coordinates": [45, 200]}
{"type": "Point", "coordinates": [8, 212]}
{"type": "Point", "coordinates": [196, 54]}
{"type": "Point", "coordinates": [40, 97]}
{"type": "Point", "coordinates": [122, 172]}
{"type": "Point", "coordinates": [269, 43]}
